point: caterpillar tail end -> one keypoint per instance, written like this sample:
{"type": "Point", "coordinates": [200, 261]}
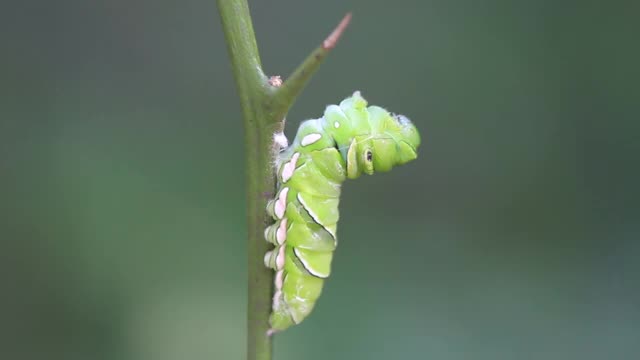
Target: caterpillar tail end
{"type": "Point", "coordinates": [279, 321]}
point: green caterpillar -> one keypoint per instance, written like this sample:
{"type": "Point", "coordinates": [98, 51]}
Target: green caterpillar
{"type": "Point", "coordinates": [350, 139]}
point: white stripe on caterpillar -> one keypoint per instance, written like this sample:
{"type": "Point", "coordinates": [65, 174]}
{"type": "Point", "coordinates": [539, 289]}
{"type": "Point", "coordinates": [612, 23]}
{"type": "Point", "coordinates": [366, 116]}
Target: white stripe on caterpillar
{"type": "Point", "coordinates": [281, 233]}
{"type": "Point", "coordinates": [281, 203]}
{"type": "Point", "coordinates": [289, 167]}
{"type": "Point", "coordinates": [310, 139]}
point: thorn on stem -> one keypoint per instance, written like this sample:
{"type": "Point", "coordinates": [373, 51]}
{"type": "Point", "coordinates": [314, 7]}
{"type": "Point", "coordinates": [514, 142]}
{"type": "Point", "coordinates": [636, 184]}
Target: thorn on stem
{"type": "Point", "coordinates": [331, 40]}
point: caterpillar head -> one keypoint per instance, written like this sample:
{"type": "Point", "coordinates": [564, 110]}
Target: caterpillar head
{"type": "Point", "coordinates": [393, 140]}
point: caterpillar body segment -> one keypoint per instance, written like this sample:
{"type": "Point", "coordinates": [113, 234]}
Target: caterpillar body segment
{"type": "Point", "coordinates": [349, 140]}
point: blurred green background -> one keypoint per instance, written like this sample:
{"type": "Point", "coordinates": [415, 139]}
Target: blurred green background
{"type": "Point", "coordinates": [513, 236]}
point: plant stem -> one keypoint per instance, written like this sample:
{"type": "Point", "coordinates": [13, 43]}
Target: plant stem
{"type": "Point", "coordinates": [251, 84]}
{"type": "Point", "coordinates": [264, 107]}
